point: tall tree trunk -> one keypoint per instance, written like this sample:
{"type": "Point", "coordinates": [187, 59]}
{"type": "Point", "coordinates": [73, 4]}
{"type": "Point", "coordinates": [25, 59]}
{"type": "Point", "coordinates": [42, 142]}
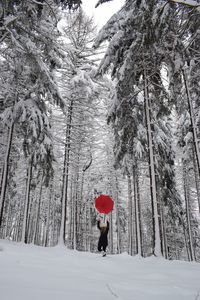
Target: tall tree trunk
{"type": "Point", "coordinates": [77, 193]}
{"type": "Point", "coordinates": [71, 214]}
{"type": "Point", "coordinates": [86, 229]}
{"type": "Point", "coordinates": [117, 217]}
{"type": "Point", "coordinates": [193, 125]}
{"type": "Point", "coordinates": [89, 226]}
{"type": "Point", "coordinates": [186, 239]}
{"type": "Point", "coordinates": [36, 228]}
{"type": "Point", "coordinates": [8, 227]}
{"type": "Point", "coordinates": [5, 171]}
{"type": "Point", "coordinates": [111, 245]}
{"type": "Point", "coordinates": [188, 214]}
{"type": "Point", "coordinates": [66, 174]}
{"type": "Point", "coordinates": [163, 228]}
{"type": "Point", "coordinates": [110, 189]}
{"type": "Point", "coordinates": [196, 174]}
{"type": "Point", "coordinates": [130, 216]}
{"type": "Point", "coordinates": [53, 226]}
{"type": "Point", "coordinates": [75, 215]}
{"type": "Point", "coordinates": [20, 222]}
{"type": "Point", "coordinates": [136, 223]}
{"type": "Point", "coordinates": [137, 212]}
{"type": "Point", "coordinates": [27, 203]}
{"type": "Point", "coordinates": [30, 218]}
{"type": "Point", "coordinates": [51, 195]}
{"type": "Point", "coordinates": [156, 227]}
{"type": "Point", "coordinates": [17, 225]}
{"type": "Point", "coordinates": [75, 222]}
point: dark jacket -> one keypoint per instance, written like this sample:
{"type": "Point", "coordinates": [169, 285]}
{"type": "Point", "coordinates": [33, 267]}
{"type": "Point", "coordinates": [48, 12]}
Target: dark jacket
{"type": "Point", "coordinates": [103, 239]}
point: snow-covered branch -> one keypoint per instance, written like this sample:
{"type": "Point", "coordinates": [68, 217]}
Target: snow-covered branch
{"type": "Point", "coordinates": [191, 3]}
{"type": "Point", "coordinates": [101, 2]}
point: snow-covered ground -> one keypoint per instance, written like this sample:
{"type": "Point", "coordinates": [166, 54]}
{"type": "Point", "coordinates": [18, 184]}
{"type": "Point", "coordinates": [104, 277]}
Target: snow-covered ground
{"type": "Point", "coordinates": [29, 272]}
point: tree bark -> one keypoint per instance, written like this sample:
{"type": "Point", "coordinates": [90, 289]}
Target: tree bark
{"type": "Point", "coordinates": [27, 203]}
{"type": "Point", "coordinates": [130, 217]}
{"type": "Point", "coordinates": [49, 214]}
{"type": "Point", "coordinates": [5, 172]}
{"type": "Point", "coordinates": [36, 228]}
{"type": "Point", "coordinates": [117, 218]}
{"type": "Point", "coordinates": [156, 227]}
{"type": "Point", "coordinates": [163, 228]}
{"type": "Point", "coordinates": [193, 125]}
{"type": "Point", "coordinates": [188, 215]}
{"type": "Point", "coordinates": [66, 174]}
{"type": "Point", "coordinates": [138, 225]}
{"type": "Point", "coordinates": [196, 174]}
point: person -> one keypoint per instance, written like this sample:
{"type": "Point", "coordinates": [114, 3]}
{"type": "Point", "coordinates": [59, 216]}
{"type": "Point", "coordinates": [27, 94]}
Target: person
{"type": "Point", "coordinates": [103, 239]}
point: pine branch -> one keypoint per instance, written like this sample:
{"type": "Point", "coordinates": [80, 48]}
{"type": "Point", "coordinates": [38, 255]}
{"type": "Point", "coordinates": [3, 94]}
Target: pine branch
{"type": "Point", "coordinates": [191, 3]}
{"type": "Point", "coordinates": [101, 2]}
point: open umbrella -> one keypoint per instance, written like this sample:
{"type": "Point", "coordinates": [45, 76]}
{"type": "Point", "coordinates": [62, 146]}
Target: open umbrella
{"type": "Point", "coordinates": [104, 204]}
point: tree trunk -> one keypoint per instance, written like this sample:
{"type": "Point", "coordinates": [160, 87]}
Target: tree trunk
{"type": "Point", "coordinates": [20, 222]}
{"type": "Point", "coordinates": [77, 204]}
{"type": "Point", "coordinates": [156, 227]}
{"type": "Point", "coordinates": [8, 227]}
{"type": "Point", "coordinates": [89, 226]}
{"type": "Point", "coordinates": [48, 215]}
{"type": "Point", "coordinates": [137, 240]}
{"type": "Point", "coordinates": [66, 174]}
{"type": "Point", "coordinates": [75, 215]}
{"type": "Point", "coordinates": [71, 214]}
{"type": "Point", "coordinates": [137, 212]}
{"type": "Point", "coordinates": [109, 191]}
{"type": "Point", "coordinates": [130, 216]}
{"type": "Point", "coordinates": [54, 231]}
{"type": "Point", "coordinates": [5, 172]}
{"type": "Point", "coordinates": [188, 214]}
{"type": "Point", "coordinates": [117, 218]}
{"type": "Point", "coordinates": [27, 203]}
{"type": "Point", "coordinates": [163, 228]}
{"type": "Point", "coordinates": [86, 229]}
{"type": "Point", "coordinates": [111, 246]}
{"type": "Point", "coordinates": [186, 240]}
{"type": "Point", "coordinates": [193, 125]}
{"type": "Point", "coordinates": [75, 222]}
{"type": "Point", "coordinates": [30, 218]}
{"type": "Point", "coordinates": [36, 228]}
{"type": "Point", "coordinates": [196, 174]}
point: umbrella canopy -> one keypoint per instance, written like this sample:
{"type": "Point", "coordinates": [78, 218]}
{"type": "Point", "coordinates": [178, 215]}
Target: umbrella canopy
{"type": "Point", "coordinates": [104, 204]}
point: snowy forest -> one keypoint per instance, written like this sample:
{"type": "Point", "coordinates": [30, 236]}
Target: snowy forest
{"type": "Point", "coordinates": [86, 112]}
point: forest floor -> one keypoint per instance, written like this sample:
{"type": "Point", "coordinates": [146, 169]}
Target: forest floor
{"type": "Point", "coordinates": [29, 272]}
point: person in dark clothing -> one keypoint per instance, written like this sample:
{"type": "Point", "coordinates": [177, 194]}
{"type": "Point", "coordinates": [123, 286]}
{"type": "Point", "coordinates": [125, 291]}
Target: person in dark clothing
{"type": "Point", "coordinates": [103, 239]}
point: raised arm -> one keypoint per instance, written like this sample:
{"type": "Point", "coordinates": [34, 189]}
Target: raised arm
{"type": "Point", "coordinates": [98, 224]}
{"type": "Point", "coordinates": [107, 229]}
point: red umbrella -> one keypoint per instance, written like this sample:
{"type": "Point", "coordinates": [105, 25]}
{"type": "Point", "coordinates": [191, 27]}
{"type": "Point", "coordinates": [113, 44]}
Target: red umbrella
{"type": "Point", "coordinates": [104, 204]}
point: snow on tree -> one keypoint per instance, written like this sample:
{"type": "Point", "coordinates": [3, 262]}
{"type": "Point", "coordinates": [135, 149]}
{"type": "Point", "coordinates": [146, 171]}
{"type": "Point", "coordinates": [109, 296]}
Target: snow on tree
{"type": "Point", "coordinates": [30, 54]}
{"type": "Point", "coordinates": [136, 54]}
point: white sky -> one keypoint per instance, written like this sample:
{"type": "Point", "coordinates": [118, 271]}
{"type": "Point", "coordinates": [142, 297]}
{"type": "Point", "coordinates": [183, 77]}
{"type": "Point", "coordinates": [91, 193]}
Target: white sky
{"type": "Point", "coordinates": [103, 13]}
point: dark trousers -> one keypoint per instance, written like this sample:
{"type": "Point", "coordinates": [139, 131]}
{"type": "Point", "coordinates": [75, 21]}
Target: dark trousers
{"type": "Point", "coordinates": [100, 248]}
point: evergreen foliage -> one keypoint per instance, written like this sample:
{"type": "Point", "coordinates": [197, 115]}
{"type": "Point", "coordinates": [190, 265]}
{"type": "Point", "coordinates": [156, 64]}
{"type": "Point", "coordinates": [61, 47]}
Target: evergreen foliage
{"type": "Point", "coordinates": [69, 133]}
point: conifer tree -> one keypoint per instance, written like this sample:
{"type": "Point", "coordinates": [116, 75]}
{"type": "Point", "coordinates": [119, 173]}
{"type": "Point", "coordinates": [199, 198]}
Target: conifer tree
{"type": "Point", "coordinates": [32, 41]}
{"type": "Point", "coordinates": [136, 55]}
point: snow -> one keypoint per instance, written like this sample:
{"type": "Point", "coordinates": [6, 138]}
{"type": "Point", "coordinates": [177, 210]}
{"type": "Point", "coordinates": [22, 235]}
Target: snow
{"type": "Point", "coordinates": [188, 2]}
{"type": "Point", "coordinates": [32, 272]}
